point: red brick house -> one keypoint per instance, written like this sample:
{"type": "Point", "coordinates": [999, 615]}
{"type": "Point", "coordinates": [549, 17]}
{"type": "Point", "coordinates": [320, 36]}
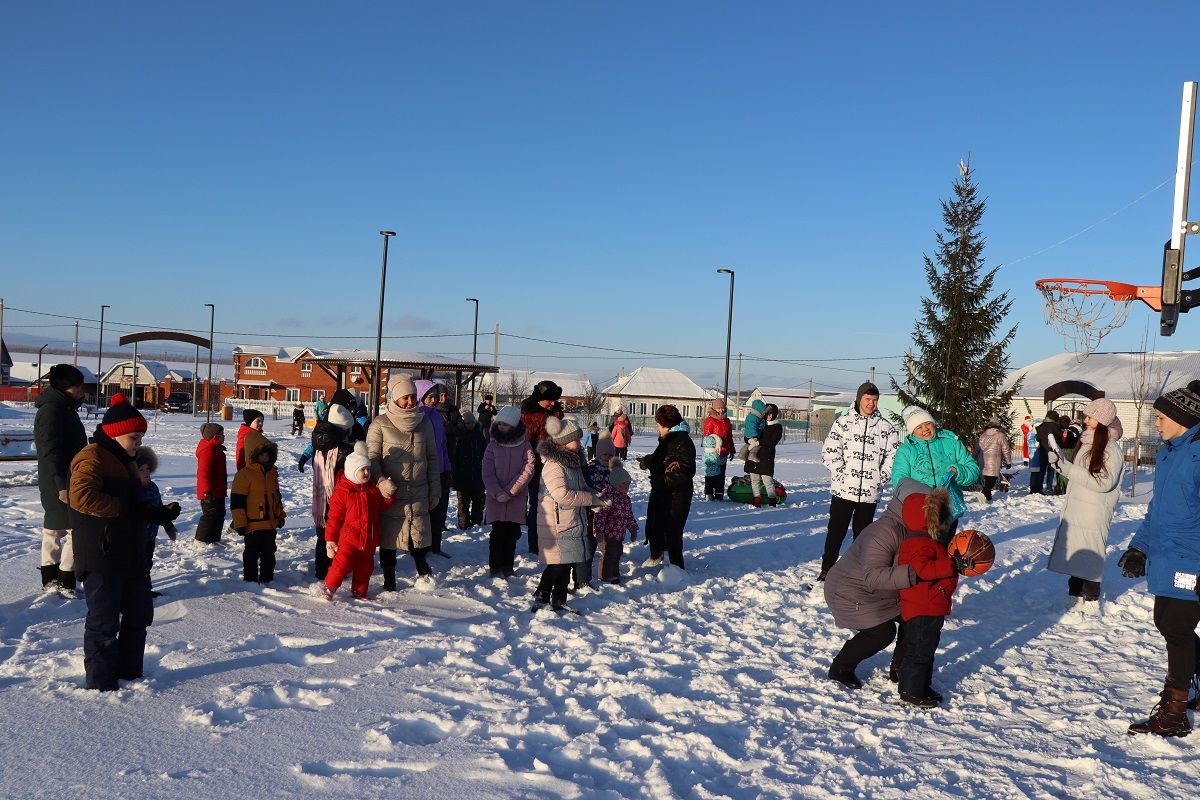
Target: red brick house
{"type": "Point", "coordinates": [279, 373]}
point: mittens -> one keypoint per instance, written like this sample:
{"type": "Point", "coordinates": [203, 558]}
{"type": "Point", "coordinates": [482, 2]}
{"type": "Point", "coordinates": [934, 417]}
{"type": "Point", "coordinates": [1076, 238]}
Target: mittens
{"type": "Point", "coordinates": [961, 563]}
{"type": "Point", "coordinates": [503, 497]}
{"type": "Point", "coordinates": [1133, 563]}
{"type": "Point", "coordinates": [386, 487]}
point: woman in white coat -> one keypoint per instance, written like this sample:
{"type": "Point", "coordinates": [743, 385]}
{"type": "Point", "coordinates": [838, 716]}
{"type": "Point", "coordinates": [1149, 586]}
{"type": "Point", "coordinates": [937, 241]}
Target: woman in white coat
{"type": "Point", "coordinates": [1093, 485]}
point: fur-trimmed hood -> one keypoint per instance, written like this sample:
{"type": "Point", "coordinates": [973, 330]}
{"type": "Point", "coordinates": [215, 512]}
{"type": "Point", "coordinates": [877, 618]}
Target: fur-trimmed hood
{"type": "Point", "coordinates": [257, 443]}
{"type": "Point", "coordinates": [146, 456]}
{"type": "Point", "coordinates": [549, 450]}
{"type": "Point", "coordinates": [511, 439]}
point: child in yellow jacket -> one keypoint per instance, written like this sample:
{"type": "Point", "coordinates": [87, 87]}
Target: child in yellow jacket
{"type": "Point", "coordinates": [257, 508]}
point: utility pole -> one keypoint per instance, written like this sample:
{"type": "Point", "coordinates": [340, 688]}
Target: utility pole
{"type": "Point", "coordinates": [739, 391]}
{"type": "Point", "coordinates": [2, 328]}
{"type": "Point", "coordinates": [872, 374]}
{"type": "Point", "coordinates": [496, 363]}
{"type": "Point", "coordinates": [808, 430]}
{"type": "Point", "coordinates": [75, 347]}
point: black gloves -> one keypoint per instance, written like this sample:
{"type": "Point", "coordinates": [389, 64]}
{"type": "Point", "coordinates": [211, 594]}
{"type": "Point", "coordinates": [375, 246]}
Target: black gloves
{"type": "Point", "coordinates": [1133, 563]}
{"type": "Point", "coordinates": [303, 461]}
{"type": "Point", "coordinates": [961, 563]}
{"type": "Point", "coordinates": [173, 511]}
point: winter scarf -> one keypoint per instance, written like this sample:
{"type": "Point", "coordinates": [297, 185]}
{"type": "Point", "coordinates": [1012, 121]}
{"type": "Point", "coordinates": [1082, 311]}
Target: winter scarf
{"type": "Point", "coordinates": [406, 420]}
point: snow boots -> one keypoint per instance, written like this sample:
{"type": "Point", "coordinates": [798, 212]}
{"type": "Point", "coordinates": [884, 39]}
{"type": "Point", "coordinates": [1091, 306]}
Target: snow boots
{"type": "Point", "coordinates": [387, 564]}
{"type": "Point", "coordinates": [844, 675]}
{"type": "Point", "coordinates": [1169, 717]}
{"type": "Point", "coordinates": [49, 575]}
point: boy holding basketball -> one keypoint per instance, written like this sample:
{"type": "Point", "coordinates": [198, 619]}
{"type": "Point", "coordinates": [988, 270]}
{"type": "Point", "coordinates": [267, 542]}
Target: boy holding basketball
{"type": "Point", "coordinates": [924, 605]}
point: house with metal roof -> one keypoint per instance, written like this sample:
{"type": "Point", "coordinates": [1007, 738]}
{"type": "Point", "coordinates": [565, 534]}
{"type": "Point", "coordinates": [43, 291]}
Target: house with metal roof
{"type": "Point", "coordinates": [645, 389]}
{"type": "Point", "coordinates": [1066, 384]}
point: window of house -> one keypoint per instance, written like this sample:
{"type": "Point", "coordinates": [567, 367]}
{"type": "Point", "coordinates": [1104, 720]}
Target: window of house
{"type": "Point", "coordinates": [317, 395]}
{"type": "Point", "coordinates": [356, 369]}
{"type": "Point", "coordinates": [292, 395]}
{"type": "Point", "coordinates": [256, 365]}
{"type": "Point", "coordinates": [306, 369]}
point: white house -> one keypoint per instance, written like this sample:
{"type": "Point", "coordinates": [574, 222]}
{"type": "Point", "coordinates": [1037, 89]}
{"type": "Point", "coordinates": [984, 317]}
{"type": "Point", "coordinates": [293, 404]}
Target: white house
{"type": "Point", "coordinates": [503, 383]}
{"type": "Point", "coordinates": [1063, 379]}
{"type": "Point", "coordinates": [646, 388]}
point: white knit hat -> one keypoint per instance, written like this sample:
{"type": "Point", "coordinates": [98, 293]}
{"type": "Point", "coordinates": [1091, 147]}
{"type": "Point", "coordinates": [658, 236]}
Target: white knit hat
{"type": "Point", "coordinates": [563, 431]}
{"type": "Point", "coordinates": [339, 416]}
{"type": "Point", "coordinates": [355, 462]}
{"type": "Point", "coordinates": [914, 417]}
{"type": "Point", "coordinates": [510, 416]}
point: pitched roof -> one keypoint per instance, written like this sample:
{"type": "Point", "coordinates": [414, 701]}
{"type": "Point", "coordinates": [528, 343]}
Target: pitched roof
{"type": "Point", "coordinates": [398, 359]}
{"type": "Point", "coordinates": [1110, 372]}
{"type": "Point", "coordinates": [283, 354]}
{"type": "Point", "coordinates": [658, 382]}
{"type": "Point", "coordinates": [26, 371]}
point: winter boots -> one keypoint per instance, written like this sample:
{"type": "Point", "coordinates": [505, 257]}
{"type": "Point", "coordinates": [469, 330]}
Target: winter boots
{"type": "Point", "coordinates": [66, 579]}
{"type": "Point", "coordinates": [844, 675]}
{"type": "Point", "coordinates": [1169, 717]}
{"type": "Point", "coordinates": [49, 576]}
{"type": "Point", "coordinates": [387, 564]}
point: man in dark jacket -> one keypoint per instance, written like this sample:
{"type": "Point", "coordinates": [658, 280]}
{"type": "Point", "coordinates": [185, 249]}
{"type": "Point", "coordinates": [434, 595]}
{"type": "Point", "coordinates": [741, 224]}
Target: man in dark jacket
{"type": "Point", "coordinates": [672, 466]}
{"type": "Point", "coordinates": [486, 413]}
{"type": "Point", "coordinates": [58, 436]}
{"type": "Point", "coordinates": [1045, 479]}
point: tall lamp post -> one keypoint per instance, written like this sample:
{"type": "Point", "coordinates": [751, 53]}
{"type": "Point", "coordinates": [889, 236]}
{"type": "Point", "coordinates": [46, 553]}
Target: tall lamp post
{"type": "Point", "coordinates": [100, 363]}
{"type": "Point", "coordinates": [728, 330]}
{"type": "Point", "coordinates": [376, 379]}
{"type": "Point", "coordinates": [474, 347]}
{"type": "Point", "coordinates": [212, 318]}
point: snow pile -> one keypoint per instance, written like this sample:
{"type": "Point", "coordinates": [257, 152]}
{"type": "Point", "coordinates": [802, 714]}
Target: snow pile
{"type": "Point", "coordinates": [702, 684]}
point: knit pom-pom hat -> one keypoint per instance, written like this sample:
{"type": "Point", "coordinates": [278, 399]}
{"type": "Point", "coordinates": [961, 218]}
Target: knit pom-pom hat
{"type": "Point", "coordinates": [1181, 405]}
{"type": "Point", "coordinates": [354, 463]}
{"type": "Point", "coordinates": [122, 418]}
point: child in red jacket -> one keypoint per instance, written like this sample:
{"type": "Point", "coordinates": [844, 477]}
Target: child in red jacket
{"type": "Point", "coordinates": [212, 482]}
{"type": "Point", "coordinates": [925, 605]}
{"type": "Point", "coordinates": [352, 525]}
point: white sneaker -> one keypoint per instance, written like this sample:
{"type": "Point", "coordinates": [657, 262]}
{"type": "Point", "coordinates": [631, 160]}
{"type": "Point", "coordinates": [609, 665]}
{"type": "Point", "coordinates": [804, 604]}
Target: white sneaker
{"type": "Point", "coordinates": [425, 583]}
{"type": "Point", "coordinates": [652, 562]}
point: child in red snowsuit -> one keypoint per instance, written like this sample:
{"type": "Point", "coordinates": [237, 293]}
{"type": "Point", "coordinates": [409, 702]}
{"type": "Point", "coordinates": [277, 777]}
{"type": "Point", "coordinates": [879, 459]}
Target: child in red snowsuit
{"type": "Point", "coordinates": [352, 525]}
{"type": "Point", "coordinates": [925, 605]}
{"type": "Point", "coordinates": [611, 524]}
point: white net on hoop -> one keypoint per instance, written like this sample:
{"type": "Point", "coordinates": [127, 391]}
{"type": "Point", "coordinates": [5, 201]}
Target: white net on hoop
{"type": "Point", "coordinates": [1083, 319]}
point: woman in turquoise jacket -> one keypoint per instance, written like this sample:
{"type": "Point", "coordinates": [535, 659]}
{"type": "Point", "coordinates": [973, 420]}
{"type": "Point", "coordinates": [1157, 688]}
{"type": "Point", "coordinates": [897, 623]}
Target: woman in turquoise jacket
{"type": "Point", "coordinates": [1166, 551]}
{"type": "Point", "coordinates": [928, 453]}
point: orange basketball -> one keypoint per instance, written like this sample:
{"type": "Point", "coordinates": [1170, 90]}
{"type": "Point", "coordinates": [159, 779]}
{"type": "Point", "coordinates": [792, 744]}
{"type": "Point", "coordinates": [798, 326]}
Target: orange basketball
{"type": "Point", "coordinates": [975, 546]}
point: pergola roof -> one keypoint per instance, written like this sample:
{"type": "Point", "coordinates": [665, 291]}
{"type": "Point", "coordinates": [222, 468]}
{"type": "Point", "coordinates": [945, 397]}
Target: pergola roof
{"type": "Point", "coordinates": [395, 359]}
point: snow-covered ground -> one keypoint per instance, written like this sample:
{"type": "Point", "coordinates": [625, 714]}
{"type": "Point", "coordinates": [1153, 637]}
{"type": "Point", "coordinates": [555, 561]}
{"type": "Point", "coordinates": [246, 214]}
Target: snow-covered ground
{"type": "Point", "coordinates": [709, 687]}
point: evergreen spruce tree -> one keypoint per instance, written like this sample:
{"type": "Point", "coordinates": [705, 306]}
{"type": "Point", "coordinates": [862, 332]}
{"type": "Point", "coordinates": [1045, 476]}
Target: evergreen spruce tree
{"type": "Point", "coordinates": [958, 364]}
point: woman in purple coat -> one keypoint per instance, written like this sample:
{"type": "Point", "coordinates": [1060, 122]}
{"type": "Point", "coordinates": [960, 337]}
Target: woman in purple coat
{"type": "Point", "coordinates": [507, 470]}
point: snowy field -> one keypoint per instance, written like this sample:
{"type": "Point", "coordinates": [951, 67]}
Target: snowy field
{"type": "Point", "coordinates": [709, 687]}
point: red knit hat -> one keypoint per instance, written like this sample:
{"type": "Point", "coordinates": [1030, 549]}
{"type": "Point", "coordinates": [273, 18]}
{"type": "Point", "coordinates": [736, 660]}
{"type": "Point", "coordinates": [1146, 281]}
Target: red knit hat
{"type": "Point", "coordinates": [913, 512]}
{"type": "Point", "coordinates": [122, 418]}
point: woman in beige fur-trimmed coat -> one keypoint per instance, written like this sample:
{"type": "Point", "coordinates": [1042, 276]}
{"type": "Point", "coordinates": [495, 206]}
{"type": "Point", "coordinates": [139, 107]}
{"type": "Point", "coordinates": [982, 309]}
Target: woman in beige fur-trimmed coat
{"type": "Point", "coordinates": [401, 446]}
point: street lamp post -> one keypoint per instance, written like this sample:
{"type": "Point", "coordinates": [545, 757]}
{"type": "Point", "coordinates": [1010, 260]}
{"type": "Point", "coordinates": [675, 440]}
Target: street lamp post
{"type": "Point", "coordinates": [376, 379]}
{"type": "Point", "coordinates": [100, 362]}
{"type": "Point", "coordinates": [474, 346]}
{"type": "Point", "coordinates": [728, 330]}
{"type": "Point", "coordinates": [212, 318]}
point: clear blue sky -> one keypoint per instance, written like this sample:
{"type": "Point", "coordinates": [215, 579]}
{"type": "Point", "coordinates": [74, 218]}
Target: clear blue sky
{"type": "Point", "coordinates": [582, 168]}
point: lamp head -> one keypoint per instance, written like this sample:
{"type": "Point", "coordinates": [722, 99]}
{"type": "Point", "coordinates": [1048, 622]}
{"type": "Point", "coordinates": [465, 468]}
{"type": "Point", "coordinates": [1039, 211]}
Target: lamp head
{"type": "Point", "coordinates": [385, 234]}
{"type": "Point", "coordinates": [725, 271]}
{"type": "Point", "coordinates": [472, 300]}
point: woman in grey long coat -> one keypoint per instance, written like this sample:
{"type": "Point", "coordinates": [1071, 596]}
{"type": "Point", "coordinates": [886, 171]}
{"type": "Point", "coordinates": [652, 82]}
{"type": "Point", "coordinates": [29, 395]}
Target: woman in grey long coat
{"type": "Point", "coordinates": [1093, 484]}
{"type": "Point", "coordinates": [401, 446]}
{"type": "Point", "coordinates": [863, 587]}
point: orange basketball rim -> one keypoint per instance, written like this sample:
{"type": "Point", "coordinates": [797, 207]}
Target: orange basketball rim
{"type": "Point", "coordinates": [1114, 290]}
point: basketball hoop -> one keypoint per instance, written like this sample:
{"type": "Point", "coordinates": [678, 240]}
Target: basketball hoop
{"type": "Point", "coordinates": [1084, 311]}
